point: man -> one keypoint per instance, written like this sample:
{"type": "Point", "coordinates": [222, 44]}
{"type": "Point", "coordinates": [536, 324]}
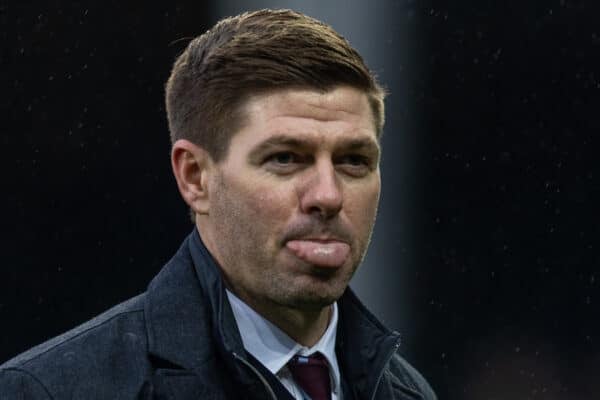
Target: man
{"type": "Point", "coordinates": [275, 123]}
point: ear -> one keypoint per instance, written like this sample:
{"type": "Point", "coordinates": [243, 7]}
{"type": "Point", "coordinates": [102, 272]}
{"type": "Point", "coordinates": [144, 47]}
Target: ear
{"type": "Point", "coordinates": [192, 166]}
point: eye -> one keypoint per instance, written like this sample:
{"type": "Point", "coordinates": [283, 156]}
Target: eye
{"type": "Point", "coordinates": [355, 160]}
{"type": "Point", "coordinates": [283, 162]}
{"type": "Point", "coordinates": [283, 158]}
{"type": "Point", "coordinates": [355, 164]}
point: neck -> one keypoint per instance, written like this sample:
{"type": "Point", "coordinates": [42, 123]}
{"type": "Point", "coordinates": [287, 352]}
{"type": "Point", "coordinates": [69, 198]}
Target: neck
{"type": "Point", "coordinates": [306, 327]}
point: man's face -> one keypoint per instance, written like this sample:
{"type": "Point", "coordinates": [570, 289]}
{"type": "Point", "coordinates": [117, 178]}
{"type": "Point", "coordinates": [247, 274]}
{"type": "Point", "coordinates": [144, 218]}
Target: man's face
{"type": "Point", "coordinates": [292, 205]}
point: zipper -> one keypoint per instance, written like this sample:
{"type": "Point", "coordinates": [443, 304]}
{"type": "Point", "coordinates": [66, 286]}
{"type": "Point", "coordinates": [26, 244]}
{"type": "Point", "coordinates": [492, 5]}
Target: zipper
{"type": "Point", "coordinates": [257, 372]}
{"type": "Point", "coordinates": [387, 360]}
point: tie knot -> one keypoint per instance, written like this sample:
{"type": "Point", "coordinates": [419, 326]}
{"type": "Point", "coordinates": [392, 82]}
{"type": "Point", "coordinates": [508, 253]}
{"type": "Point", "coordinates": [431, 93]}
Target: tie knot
{"type": "Point", "coordinates": [312, 375]}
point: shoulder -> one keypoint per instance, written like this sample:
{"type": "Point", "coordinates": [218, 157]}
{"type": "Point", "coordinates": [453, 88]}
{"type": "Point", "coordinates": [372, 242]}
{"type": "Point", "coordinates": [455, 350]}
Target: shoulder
{"type": "Point", "coordinates": [401, 374]}
{"type": "Point", "coordinates": [110, 344]}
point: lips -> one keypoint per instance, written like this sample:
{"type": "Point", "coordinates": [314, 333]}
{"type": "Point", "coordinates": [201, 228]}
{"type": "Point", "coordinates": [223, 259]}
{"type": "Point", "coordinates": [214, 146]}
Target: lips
{"type": "Point", "coordinates": [323, 253]}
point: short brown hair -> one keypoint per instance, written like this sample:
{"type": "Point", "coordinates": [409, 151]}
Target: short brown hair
{"type": "Point", "coordinates": [252, 53]}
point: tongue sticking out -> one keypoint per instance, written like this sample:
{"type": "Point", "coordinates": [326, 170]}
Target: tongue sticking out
{"type": "Point", "coordinates": [331, 254]}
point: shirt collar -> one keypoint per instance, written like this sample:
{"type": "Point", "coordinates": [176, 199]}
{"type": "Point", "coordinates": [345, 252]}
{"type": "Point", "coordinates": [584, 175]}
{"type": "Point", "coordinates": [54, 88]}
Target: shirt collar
{"type": "Point", "coordinates": [274, 348]}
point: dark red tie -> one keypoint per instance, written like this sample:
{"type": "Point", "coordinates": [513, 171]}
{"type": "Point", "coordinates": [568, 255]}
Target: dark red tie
{"type": "Point", "coordinates": [312, 375]}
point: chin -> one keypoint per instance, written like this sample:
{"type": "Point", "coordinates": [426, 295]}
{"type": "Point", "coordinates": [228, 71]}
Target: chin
{"type": "Point", "coordinates": [314, 299]}
{"type": "Point", "coordinates": [312, 304]}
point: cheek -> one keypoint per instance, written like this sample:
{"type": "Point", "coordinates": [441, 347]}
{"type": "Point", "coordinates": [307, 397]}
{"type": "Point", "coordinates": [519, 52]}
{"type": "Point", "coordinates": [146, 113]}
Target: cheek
{"type": "Point", "coordinates": [361, 204]}
{"type": "Point", "coordinates": [266, 204]}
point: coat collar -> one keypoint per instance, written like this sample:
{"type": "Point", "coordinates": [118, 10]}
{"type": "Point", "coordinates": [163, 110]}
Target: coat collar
{"type": "Point", "coordinates": [186, 309]}
{"type": "Point", "coordinates": [364, 345]}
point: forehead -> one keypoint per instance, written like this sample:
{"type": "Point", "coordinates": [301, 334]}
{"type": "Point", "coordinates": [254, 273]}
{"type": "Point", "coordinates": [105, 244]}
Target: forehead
{"type": "Point", "coordinates": [339, 114]}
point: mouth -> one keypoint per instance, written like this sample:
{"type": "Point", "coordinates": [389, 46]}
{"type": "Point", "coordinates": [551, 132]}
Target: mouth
{"type": "Point", "coordinates": [328, 253]}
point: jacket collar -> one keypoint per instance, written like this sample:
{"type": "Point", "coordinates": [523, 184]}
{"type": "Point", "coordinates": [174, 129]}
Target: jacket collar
{"type": "Point", "coordinates": [187, 313]}
{"type": "Point", "coordinates": [364, 345]}
{"type": "Point", "coordinates": [186, 309]}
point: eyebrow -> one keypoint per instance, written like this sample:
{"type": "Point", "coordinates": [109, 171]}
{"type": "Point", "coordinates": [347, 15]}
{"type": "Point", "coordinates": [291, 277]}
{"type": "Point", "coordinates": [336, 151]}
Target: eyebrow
{"type": "Point", "coordinates": [279, 140]}
{"type": "Point", "coordinates": [283, 140]}
{"type": "Point", "coordinates": [362, 143]}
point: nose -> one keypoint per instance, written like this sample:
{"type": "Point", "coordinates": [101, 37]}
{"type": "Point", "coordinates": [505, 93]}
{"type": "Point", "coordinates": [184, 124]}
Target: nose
{"type": "Point", "coordinates": [322, 194]}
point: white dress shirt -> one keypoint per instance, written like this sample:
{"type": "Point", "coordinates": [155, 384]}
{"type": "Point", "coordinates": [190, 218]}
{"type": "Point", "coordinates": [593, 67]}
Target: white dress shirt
{"type": "Point", "coordinates": [273, 348]}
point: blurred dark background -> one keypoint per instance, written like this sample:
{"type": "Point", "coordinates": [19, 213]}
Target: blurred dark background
{"type": "Point", "coordinates": [485, 256]}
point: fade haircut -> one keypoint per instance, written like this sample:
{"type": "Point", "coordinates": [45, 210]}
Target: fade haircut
{"type": "Point", "coordinates": [253, 53]}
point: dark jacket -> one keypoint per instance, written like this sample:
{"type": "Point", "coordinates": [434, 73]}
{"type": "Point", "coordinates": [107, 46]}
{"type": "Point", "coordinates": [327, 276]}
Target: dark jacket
{"type": "Point", "coordinates": [179, 340]}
